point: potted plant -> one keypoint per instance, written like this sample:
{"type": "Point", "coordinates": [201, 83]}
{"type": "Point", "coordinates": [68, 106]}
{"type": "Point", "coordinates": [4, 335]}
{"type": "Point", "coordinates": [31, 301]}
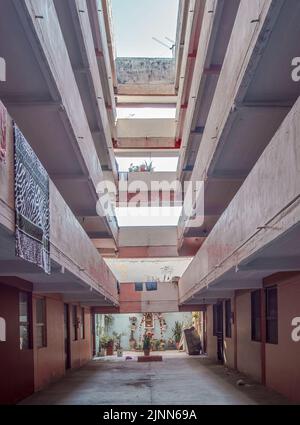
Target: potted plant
{"type": "Point", "coordinates": [162, 345]}
{"type": "Point", "coordinates": [138, 347]}
{"type": "Point", "coordinates": [110, 347]}
{"type": "Point", "coordinates": [147, 344]}
{"type": "Point", "coordinates": [149, 166]}
{"type": "Point", "coordinates": [117, 339]}
{"type": "Point", "coordinates": [177, 331]}
{"type": "Point", "coordinates": [103, 345]}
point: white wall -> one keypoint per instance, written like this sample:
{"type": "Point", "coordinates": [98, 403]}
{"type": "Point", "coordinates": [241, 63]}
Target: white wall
{"type": "Point", "coordinates": [121, 324]}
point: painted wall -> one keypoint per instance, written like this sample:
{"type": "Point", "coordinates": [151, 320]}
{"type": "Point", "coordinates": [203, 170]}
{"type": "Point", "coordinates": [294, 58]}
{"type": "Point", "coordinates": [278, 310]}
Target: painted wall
{"type": "Point", "coordinates": [81, 350]}
{"type": "Point", "coordinates": [16, 371]}
{"type": "Point", "coordinates": [229, 343]}
{"type": "Point", "coordinates": [211, 339]}
{"type": "Point", "coordinates": [121, 324]}
{"type": "Point", "coordinates": [49, 362]}
{"type": "Point", "coordinates": [145, 70]}
{"type": "Point", "coordinates": [165, 299]}
{"type": "Point", "coordinates": [24, 371]}
{"type": "Point", "coordinates": [283, 359]}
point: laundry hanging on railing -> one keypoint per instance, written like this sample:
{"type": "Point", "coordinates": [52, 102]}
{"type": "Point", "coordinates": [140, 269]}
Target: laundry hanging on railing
{"type": "Point", "coordinates": [3, 126]}
{"type": "Point", "coordinates": [138, 286]}
{"type": "Point", "coordinates": [151, 286]}
{"type": "Point", "coordinates": [31, 205]}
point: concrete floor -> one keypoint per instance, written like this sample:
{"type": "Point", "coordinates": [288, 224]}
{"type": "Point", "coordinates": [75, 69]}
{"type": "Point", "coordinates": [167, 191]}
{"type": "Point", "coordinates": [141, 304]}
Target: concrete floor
{"type": "Point", "coordinates": [179, 379]}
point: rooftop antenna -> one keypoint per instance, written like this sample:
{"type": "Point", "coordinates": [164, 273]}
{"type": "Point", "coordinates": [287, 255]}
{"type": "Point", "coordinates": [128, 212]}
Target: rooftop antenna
{"type": "Point", "coordinates": [172, 48]}
{"type": "Point", "coordinates": [171, 41]}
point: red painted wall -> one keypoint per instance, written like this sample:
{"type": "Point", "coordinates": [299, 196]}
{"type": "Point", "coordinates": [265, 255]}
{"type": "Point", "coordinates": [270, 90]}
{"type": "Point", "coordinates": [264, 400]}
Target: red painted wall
{"type": "Point", "coordinates": [81, 350]}
{"type": "Point", "coordinates": [283, 359]}
{"type": "Point", "coordinates": [50, 360]}
{"type": "Point", "coordinates": [16, 371]}
{"type": "Point", "coordinates": [130, 300]}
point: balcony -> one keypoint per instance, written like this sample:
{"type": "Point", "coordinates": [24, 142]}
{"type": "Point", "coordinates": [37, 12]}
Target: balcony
{"type": "Point", "coordinates": [258, 234]}
{"type": "Point", "coordinates": [78, 271]}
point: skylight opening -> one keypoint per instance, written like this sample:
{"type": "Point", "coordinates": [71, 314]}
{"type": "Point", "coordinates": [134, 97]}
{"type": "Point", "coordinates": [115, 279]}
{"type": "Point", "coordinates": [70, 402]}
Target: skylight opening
{"type": "Point", "coordinates": [160, 164]}
{"type": "Point", "coordinates": [137, 22]}
{"type": "Point", "coordinates": [146, 113]}
{"type": "Point", "coordinates": [148, 216]}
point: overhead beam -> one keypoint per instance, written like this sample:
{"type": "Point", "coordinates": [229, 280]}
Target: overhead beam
{"type": "Point", "coordinates": [212, 294]}
{"type": "Point", "coordinates": [233, 285]}
{"type": "Point", "coordinates": [72, 177]}
{"type": "Point", "coordinates": [19, 266]}
{"type": "Point", "coordinates": [275, 263]}
{"type": "Point", "coordinates": [15, 102]}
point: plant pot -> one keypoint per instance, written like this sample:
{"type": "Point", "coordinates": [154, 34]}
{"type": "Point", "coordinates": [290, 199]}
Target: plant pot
{"type": "Point", "coordinates": [147, 352]}
{"type": "Point", "coordinates": [110, 349]}
{"type": "Point", "coordinates": [101, 352]}
{"type": "Point", "coordinates": [120, 352]}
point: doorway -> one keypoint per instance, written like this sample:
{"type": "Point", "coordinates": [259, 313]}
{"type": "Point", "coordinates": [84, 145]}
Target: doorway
{"type": "Point", "coordinates": [67, 338]}
{"type": "Point", "coordinates": [220, 332]}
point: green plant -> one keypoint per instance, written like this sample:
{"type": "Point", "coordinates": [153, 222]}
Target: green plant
{"type": "Point", "coordinates": [177, 331]}
{"type": "Point", "coordinates": [117, 339]}
{"type": "Point", "coordinates": [147, 342]}
{"type": "Point", "coordinates": [162, 344]}
{"type": "Point", "coordinates": [138, 347]}
{"type": "Point", "coordinates": [149, 166]}
{"type": "Point", "coordinates": [146, 166]}
{"type": "Point", "coordinates": [155, 344]}
{"type": "Point", "coordinates": [105, 340]}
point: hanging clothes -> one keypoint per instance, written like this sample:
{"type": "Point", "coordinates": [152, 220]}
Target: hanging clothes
{"type": "Point", "coordinates": [3, 127]}
{"type": "Point", "coordinates": [31, 205]}
{"type": "Point", "coordinates": [151, 286]}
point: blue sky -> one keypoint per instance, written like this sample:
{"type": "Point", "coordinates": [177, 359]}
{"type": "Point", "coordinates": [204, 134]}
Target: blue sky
{"type": "Point", "coordinates": [137, 21]}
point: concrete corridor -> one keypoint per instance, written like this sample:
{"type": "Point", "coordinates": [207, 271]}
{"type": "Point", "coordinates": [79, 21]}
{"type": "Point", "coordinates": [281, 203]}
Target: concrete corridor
{"type": "Point", "coordinates": [179, 379]}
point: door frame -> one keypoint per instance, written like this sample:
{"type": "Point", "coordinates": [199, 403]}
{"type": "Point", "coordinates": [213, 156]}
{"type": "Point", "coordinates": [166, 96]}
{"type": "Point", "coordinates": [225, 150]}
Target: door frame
{"type": "Point", "coordinates": [220, 331]}
{"type": "Point", "coordinates": [67, 337]}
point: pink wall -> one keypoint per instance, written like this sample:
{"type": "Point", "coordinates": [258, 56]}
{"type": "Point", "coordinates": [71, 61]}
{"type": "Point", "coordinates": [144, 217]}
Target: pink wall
{"type": "Point", "coordinates": [130, 300]}
{"type": "Point", "coordinates": [229, 343]}
{"type": "Point", "coordinates": [81, 350]}
{"type": "Point", "coordinates": [49, 361]}
{"type": "Point", "coordinates": [165, 299]}
{"type": "Point", "coordinates": [211, 340]}
{"type": "Point", "coordinates": [283, 359]}
{"type": "Point", "coordinates": [16, 371]}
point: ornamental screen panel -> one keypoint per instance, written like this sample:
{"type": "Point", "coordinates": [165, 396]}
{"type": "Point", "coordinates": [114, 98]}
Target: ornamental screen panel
{"type": "Point", "coordinates": [3, 128]}
{"type": "Point", "coordinates": [31, 205]}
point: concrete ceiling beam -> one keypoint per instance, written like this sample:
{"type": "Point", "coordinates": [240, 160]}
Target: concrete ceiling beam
{"type": "Point", "coordinates": [276, 263]}
{"type": "Point", "coordinates": [234, 285]}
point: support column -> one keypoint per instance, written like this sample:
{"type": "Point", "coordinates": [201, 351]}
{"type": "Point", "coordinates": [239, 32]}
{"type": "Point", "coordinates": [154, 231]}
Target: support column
{"type": "Point", "coordinates": [263, 337]}
{"type": "Point", "coordinates": [235, 334]}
